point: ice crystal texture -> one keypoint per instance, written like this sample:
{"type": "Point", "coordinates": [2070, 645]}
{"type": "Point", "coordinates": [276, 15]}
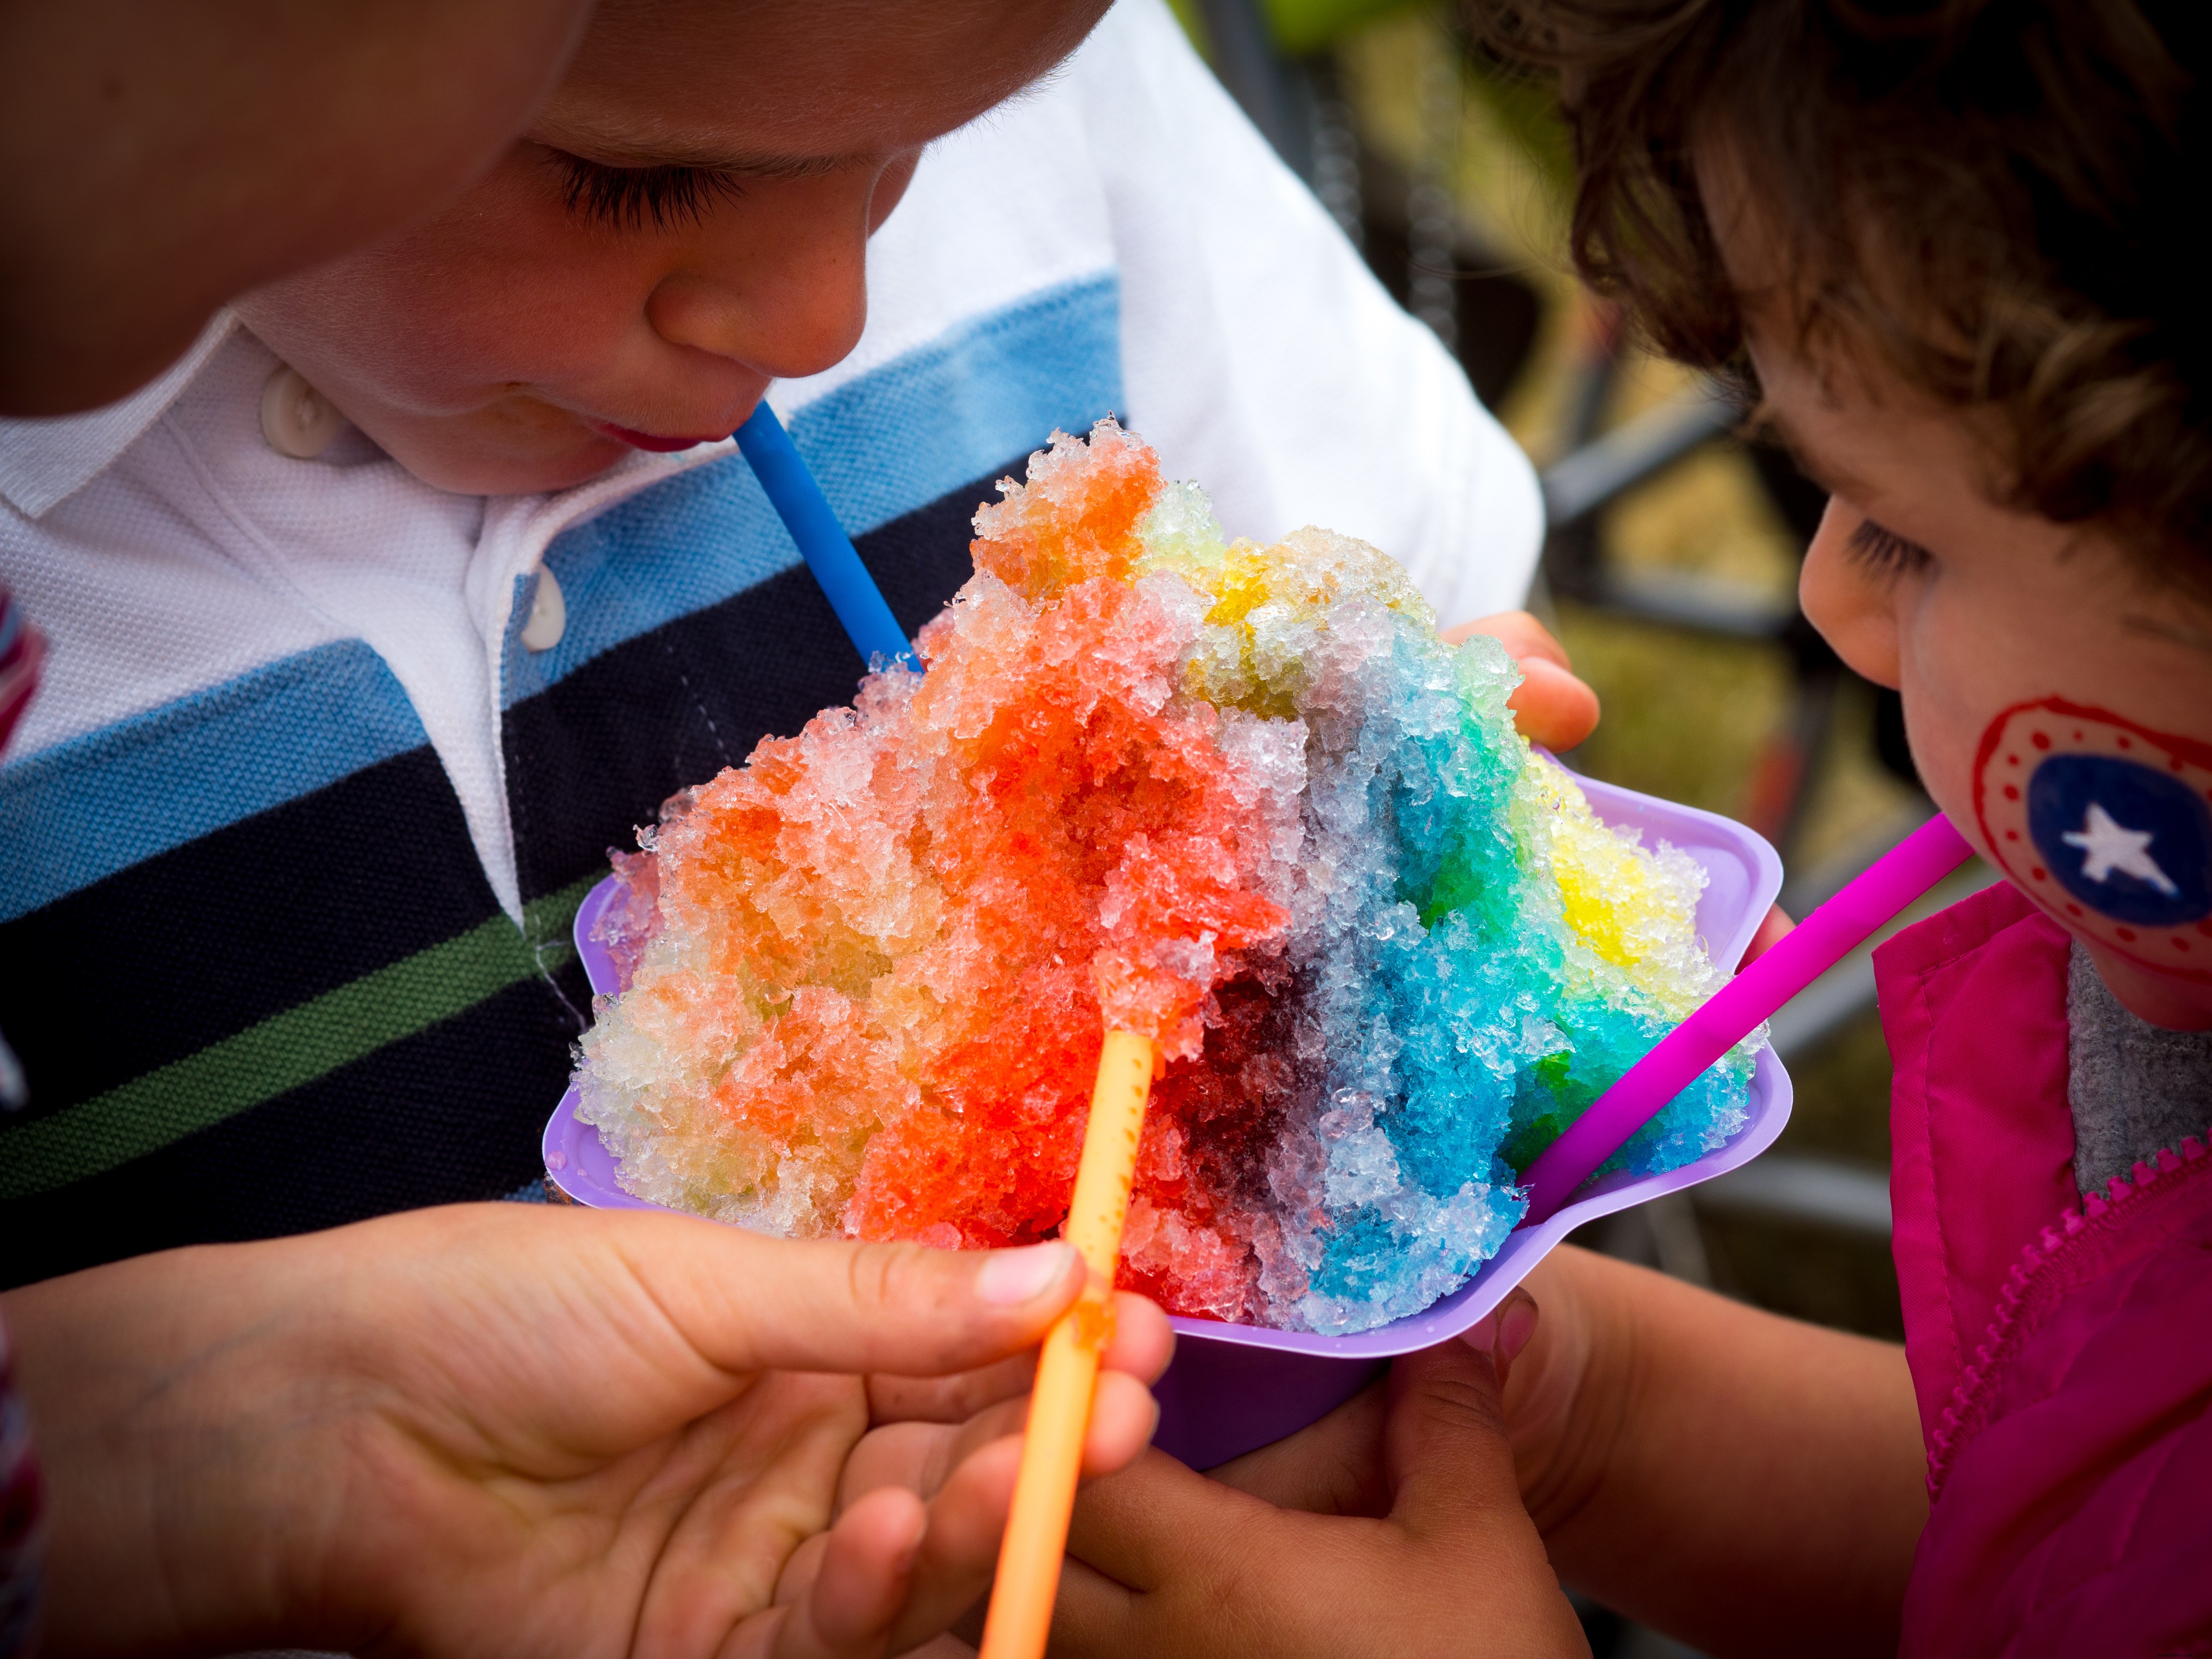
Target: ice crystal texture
{"type": "Point", "coordinates": [1240, 799]}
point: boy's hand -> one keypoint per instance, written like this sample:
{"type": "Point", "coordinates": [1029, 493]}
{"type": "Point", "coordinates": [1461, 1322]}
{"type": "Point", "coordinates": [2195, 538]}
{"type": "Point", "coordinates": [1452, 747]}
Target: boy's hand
{"type": "Point", "coordinates": [1552, 706]}
{"type": "Point", "coordinates": [499, 1429]}
{"type": "Point", "coordinates": [1418, 1542]}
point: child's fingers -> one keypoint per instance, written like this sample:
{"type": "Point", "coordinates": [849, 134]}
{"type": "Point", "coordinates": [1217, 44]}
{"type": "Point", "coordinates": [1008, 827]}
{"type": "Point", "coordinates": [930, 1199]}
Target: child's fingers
{"type": "Point", "coordinates": [1458, 1506]}
{"type": "Point", "coordinates": [1525, 638]}
{"type": "Point", "coordinates": [960, 1551]}
{"type": "Point", "coordinates": [914, 1456]}
{"type": "Point", "coordinates": [1552, 706]}
{"type": "Point", "coordinates": [858, 1584]}
{"type": "Point", "coordinates": [1444, 1445]}
{"type": "Point", "coordinates": [920, 1457]}
{"type": "Point", "coordinates": [1334, 1467]}
{"type": "Point", "coordinates": [1776, 927]}
{"type": "Point", "coordinates": [746, 1301]}
{"type": "Point", "coordinates": [1123, 1415]}
{"type": "Point", "coordinates": [948, 1398]}
{"type": "Point", "coordinates": [1148, 1524]}
{"type": "Point", "coordinates": [1458, 1498]}
{"type": "Point", "coordinates": [1142, 1345]}
{"type": "Point", "coordinates": [1094, 1613]}
{"type": "Point", "coordinates": [1167, 1564]}
{"type": "Point", "coordinates": [967, 1473]}
{"type": "Point", "coordinates": [1143, 1341]}
{"type": "Point", "coordinates": [968, 1515]}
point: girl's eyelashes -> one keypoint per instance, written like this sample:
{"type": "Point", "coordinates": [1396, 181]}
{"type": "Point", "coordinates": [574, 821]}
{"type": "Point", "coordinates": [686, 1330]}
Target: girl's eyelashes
{"type": "Point", "coordinates": [628, 198]}
{"type": "Point", "coordinates": [1884, 552]}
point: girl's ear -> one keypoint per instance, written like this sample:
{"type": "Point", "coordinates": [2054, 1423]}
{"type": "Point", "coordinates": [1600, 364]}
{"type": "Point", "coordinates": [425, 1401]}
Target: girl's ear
{"type": "Point", "coordinates": [1851, 602]}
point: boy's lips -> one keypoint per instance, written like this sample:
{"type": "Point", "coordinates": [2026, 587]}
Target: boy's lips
{"type": "Point", "coordinates": [653, 441]}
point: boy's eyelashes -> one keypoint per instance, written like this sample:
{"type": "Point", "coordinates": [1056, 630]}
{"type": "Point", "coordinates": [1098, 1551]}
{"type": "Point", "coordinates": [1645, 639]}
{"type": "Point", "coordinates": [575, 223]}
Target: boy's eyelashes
{"type": "Point", "coordinates": [628, 198]}
{"type": "Point", "coordinates": [1884, 552]}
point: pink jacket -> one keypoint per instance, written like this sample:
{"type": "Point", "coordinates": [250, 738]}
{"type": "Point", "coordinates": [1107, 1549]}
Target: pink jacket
{"type": "Point", "coordinates": [2061, 1352]}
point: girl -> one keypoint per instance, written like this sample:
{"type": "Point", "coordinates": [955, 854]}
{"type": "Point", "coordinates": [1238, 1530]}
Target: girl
{"type": "Point", "coordinates": [1943, 242]}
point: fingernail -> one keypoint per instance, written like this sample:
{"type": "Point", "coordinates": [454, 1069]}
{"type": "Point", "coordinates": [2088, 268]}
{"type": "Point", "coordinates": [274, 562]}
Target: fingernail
{"type": "Point", "coordinates": [1012, 1277]}
{"type": "Point", "coordinates": [1516, 1323]}
{"type": "Point", "coordinates": [1504, 1332]}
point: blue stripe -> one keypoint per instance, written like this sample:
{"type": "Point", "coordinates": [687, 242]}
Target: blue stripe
{"type": "Point", "coordinates": [83, 809]}
{"type": "Point", "coordinates": [996, 387]}
{"type": "Point", "coordinates": [893, 441]}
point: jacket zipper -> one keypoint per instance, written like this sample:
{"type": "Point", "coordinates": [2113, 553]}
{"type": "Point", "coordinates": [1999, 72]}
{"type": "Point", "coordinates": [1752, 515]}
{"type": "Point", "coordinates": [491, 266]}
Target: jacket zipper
{"type": "Point", "coordinates": [2078, 1231]}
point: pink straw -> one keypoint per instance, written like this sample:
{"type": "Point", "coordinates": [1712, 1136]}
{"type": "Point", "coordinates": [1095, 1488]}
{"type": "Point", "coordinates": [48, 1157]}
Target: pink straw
{"type": "Point", "coordinates": [1816, 944]}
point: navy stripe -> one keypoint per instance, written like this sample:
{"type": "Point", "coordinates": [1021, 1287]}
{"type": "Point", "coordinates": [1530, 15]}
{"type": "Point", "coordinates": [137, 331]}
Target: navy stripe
{"type": "Point", "coordinates": [191, 946]}
{"type": "Point", "coordinates": [451, 1114]}
{"type": "Point", "coordinates": [83, 809]}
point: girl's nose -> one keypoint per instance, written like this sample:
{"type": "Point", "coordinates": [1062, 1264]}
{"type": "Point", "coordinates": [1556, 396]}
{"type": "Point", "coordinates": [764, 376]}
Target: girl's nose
{"type": "Point", "coordinates": [1855, 611]}
{"type": "Point", "coordinates": [785, 291]}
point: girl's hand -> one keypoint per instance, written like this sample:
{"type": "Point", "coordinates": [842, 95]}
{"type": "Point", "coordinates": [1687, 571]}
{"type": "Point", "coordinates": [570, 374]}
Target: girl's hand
{"type": "Point", "coordinates": [1562, 1409]}
{"type": "Point", "coordinates": [1747, 1484]}
{"type": "Point", "coordinates": [1393, 1527]}
{"type": "Point", "coordinates": [502, 1429]}
{"type": "Point", "coordinates": [1552, 706]}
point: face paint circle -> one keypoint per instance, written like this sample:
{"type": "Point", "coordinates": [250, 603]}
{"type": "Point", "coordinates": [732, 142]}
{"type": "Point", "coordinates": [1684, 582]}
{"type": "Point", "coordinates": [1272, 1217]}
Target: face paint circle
{"type": "Point", "coordinates": [2107, 825]}
{"type": "Point", "coordinates": [2124, 840]}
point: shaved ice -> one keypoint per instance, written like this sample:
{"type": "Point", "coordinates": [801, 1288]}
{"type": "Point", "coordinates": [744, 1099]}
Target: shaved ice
{"type": "Point", "coordinates": [1239, 799]}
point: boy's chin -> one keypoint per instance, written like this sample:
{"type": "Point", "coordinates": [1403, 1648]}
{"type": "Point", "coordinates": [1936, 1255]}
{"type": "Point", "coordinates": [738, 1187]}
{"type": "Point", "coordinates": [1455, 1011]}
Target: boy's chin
{"type": "Point", "coordinates": [468, 465]}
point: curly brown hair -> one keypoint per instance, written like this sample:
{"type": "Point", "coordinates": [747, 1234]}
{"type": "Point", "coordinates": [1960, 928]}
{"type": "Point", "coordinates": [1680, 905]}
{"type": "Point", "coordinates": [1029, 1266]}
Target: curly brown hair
{"type": "Point", "coordinates": [2022, 169]}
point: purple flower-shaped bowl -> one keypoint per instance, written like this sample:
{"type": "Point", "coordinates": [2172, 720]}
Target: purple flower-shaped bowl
{"type": "Point", "coordinates": [1233, 1388]}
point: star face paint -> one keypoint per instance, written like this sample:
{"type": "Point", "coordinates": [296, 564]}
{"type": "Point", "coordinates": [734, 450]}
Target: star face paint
{"type": "Point", "coordinates": [2107, 824]}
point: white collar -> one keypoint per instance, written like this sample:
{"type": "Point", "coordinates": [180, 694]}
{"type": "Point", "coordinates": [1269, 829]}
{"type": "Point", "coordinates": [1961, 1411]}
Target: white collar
{"type": "Point", "coordinates": [46, 461]}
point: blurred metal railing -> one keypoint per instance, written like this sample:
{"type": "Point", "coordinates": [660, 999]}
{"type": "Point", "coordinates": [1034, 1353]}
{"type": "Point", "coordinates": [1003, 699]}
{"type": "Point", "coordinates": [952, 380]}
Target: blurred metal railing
{"type": "Point", "coordinates": [1820, 1192]}
{"type": "Point", "coordinates": [1609, 467]}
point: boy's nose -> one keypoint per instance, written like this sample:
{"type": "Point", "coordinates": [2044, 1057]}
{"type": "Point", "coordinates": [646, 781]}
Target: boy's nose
{"type": "Point", "coordinates": [785, 305]}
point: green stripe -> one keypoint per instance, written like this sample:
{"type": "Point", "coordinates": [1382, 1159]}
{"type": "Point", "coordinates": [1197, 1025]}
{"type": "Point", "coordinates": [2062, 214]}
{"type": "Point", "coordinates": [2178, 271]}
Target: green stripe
{"type": "Point", "coordinates": [288, 1050]}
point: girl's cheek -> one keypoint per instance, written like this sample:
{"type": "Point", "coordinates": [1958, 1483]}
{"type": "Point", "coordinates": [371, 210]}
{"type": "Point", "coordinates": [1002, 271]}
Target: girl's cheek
{"type": "Point", "coordinates": [1946, 704]}
{"type": "Point", "coordinates": [2107, 823]}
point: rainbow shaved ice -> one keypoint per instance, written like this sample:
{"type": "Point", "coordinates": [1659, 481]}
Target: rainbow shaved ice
{"type": "Point", "coordinates": [1239, 799]}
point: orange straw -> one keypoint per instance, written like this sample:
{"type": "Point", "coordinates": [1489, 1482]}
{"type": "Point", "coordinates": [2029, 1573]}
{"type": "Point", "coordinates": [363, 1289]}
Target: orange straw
{"type": "Point", "coordinates": [1060, 1408]}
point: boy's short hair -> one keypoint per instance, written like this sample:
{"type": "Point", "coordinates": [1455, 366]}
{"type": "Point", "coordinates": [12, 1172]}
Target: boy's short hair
{"type": "Point", "coordinates": [1999, 196]}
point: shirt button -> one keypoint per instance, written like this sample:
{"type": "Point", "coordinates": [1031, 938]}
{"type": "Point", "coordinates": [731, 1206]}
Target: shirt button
{"type": "Point", "coordinates": [549, 614]}
{"type": "Point", "coordinates": [297, 419]}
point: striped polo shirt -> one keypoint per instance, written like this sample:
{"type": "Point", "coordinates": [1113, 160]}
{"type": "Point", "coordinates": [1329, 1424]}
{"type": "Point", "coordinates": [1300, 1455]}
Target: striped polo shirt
{"type": "Point", "coordinates": [292, 837]}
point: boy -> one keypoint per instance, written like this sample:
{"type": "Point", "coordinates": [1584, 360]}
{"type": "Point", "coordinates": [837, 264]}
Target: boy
{"type": "Point", "coordinates": [381, 617]}
{"type": "Point", "coordinates": [1943, 240]}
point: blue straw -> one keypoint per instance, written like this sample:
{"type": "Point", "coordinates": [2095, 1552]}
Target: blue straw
{"type": "Point", "coordinates": [822, 542]}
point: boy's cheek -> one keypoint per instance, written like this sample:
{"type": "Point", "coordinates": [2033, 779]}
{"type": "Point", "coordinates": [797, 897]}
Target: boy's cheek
{"type": "Point", "coordinates": [2107, 823]}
